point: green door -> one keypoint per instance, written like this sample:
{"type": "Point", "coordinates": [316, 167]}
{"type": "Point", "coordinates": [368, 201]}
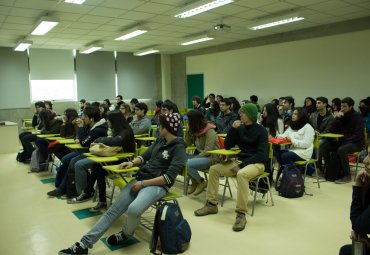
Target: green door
{"type": "Point", "coordinates": [195, 87]}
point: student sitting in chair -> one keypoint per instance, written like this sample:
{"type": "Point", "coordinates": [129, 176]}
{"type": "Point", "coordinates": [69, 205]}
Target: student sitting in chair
{"type": "Point", "coordinates": [252, 140]}
{"type": "Point", "coordinates": [160, 165]}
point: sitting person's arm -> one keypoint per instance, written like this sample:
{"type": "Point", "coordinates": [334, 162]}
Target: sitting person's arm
{"type": "Point", "coordinates": [360, 213]}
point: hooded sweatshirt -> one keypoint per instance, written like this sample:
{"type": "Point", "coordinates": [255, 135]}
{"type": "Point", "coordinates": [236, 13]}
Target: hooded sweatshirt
{"type": "Point", "coordinates": [163, 159]}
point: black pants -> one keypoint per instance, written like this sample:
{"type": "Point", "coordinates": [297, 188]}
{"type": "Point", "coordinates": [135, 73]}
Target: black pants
{"type": "Point", "coordinates": [97, 174]}
{"type": "Point", "coordinates": [342, 150]}
{"type": "Point", "coordinates": [26, 139]}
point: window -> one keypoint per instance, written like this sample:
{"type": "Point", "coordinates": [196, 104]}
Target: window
{"type": "Point", "coordinates": [53, 90]}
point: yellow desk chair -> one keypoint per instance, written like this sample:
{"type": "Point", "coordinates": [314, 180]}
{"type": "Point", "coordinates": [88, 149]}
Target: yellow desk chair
{"type": "Point", "coordinates": [312, 161]}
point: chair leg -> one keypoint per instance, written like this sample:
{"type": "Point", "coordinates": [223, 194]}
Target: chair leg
{"type": "Point", "coordinates": [317, 174]}
{"type": "Point", "coordinates": [255, 195]}
{"type": "Point", "coordinates": [227, 185]}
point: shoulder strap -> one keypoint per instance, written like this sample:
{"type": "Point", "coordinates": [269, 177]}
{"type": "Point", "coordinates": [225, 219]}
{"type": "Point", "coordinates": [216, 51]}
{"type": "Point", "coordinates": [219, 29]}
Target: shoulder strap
{"type": "Point", "coordinates": [155, 232]}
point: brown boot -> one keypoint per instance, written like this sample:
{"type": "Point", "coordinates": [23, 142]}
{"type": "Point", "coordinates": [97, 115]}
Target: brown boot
{"type": "Point", "coordinates": [206, 209]}
{"type": "Point", "coordinates": [201, 186]}
{"type": "Point", "coordinates": [192, 187]}
{"type": "Point", "coordinates": [240, 222]}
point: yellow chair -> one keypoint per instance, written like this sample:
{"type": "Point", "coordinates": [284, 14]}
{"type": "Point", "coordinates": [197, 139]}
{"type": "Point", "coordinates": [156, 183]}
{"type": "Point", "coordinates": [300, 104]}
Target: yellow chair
{"type": "Point", "coordinates": [255, 184]}
{"type": "Point", "coordinates": [312, 161]}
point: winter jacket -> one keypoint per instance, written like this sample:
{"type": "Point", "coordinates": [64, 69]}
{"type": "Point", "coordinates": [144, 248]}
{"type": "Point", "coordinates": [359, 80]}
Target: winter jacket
{"type": "Point", "coordinates": [88, 135]}
{"type": "Point", "coordinates": [325, 124]}
{"type": "Point", "coordinates": [163, 159]}
{"type": "Point", "coordinates": [225, 121]}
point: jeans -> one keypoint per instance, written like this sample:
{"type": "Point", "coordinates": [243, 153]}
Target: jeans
{"type": "Point", "coordinates": [26, 139]}
{"type": "Point", "coordinates": [42, 144]}
{"type": "Point", "coordinates": [285, 157]}
{"type": "Point", "coordinates": [81, 173]}
{"type": "Point", "coordinates": [61, 176]}
{"type": "Point", "coordinates": [195, 164]}
{"type": "Point", "coordinates": [134, 203]}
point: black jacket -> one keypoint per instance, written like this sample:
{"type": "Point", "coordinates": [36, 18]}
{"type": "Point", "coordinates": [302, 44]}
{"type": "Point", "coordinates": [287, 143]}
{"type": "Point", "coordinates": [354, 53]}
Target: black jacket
{"type": "Point", "coordinates": [162, 159]}
{"type": "Point", "coordinates": [88, 135]}
{"type": "Point", "coordinates": [252, 140]}
{"type": "Point", "coordinates": [360, 215]}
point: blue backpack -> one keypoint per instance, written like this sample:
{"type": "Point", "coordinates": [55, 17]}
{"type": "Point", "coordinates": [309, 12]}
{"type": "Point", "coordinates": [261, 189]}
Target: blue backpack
{"type": "Point", "coordinates": [291, 183]}
{"type": "Point", "coordinates": [171, 233]}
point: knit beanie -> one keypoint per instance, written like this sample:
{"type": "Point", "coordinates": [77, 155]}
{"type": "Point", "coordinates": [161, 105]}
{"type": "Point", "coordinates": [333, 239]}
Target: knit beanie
{"type": "Point", "coordinates": [250, 110]}
{"type": "Point", "coordinates": [171, 122]}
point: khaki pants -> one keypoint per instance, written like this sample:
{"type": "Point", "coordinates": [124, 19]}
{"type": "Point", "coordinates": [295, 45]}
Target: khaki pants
{"type": "Point", "coordinates": [242, 176]}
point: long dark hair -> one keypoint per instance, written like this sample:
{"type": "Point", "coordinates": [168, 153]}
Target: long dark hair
{"type": "Point", "coordinates": [120, 127]}
{"type": "Point", "coordinates": [70, 114]}
{"type": "Point", "coordinates": [235, 105]}
{"type": "Point", "coordinates": [196, 121]}
{"type": "Point", "coordinates": [46, 116]}
{"type": "Point", "coordinates": [302, 119]}
{"type": "Point", "coordinates": [270, 121]}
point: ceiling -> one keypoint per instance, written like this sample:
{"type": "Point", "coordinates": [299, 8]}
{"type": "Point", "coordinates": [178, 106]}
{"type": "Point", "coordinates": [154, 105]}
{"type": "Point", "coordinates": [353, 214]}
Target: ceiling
{"type": "Point", "coordinates": [104, 20]}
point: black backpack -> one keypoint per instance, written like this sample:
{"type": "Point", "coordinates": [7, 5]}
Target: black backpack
{"type": "Point", "coordinates": [291, 183]}
{"type": "Point", "coordinates": [22, 157]}
{"type": "Point", "coordinates": [171, 232]}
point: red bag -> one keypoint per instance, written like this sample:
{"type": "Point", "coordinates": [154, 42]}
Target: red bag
{"type": "Point", "coordinates": [52, 144]}
{"type": "Point", "coordinates": [275, 140]}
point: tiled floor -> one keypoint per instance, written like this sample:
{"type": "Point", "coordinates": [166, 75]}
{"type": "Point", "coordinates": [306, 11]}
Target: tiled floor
{"type": "Point", "coordinates": [32, 223]}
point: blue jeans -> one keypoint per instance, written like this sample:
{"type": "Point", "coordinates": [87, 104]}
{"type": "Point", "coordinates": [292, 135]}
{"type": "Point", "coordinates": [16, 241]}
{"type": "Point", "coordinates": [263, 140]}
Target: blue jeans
{"type": "Point", "coordinates": [81, 173]}
{"type": "Point", "coordinates": [61, 176]}
{"type": "Point", "coordinates": [135, 203]}
{"type": "Point", "coordinates": [195, 164]}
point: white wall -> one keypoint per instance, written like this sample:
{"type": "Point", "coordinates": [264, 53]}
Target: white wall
{"type": "Point", "coordinates": [333, 66]}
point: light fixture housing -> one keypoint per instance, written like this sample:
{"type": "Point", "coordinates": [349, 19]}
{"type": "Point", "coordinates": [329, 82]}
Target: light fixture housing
{"type": "Point", "coordinates": [196, 39]}
{"type": "Point", "coordinates": [23, 45]}
{"type": "Point", "coordinates": [91, 48]}
{"type": "Point", "coordinates": [136, 31]}
{"type": "Point", "coordinates": [200, 6]}
{"type": "Point", "coordinates": [44, 25]}
{"type": "Point", "coordinates": [74, 1]}
{"type": "Point", "coordinates": [146, 52]}
{"type": "Point", "coordinates": [276, 21]}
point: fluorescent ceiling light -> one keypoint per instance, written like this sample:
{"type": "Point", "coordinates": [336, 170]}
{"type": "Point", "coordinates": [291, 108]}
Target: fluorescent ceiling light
{"type": "Point", "coordinates": [201, 6]}
{"type": "Point", "coordinates": [132, 33]}
{"type": "Point", "coordinates": [198, 39]}
{"type": "Point", "coordinates": [45, 25]}
{"type": "Point", "coordinates": [23, 45]}
{"type": "Point", "coordinates": [276, 21]}
{"type": "Point", "coordinates": [74, 1]}
{"type": "Point", "coordinates": [91, 48]}
{"type": "Point", "coordinates": [146, 52]}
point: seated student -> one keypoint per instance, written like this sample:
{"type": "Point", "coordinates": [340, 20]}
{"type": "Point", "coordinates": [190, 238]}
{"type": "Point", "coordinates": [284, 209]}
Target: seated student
{"type": "Point", "coordinates": [321, 121]}
{"type": "Point", "coordinates": [349, 123]}
{"type": "Point", "coordinates": [211, 97]}
{"type": "Point", "coordinates": [288, 104]}
{"type": "Point", "coordinates": [51, 125]}
{"type": "Point", "coordinates": [271, 120]}
{"type": "Point", "coordinates": [309, 105]}
{"type": "Point", "coordinates": [301, 135]}
{"type": "Point", "coordinates": [133, 102]}
{"type": "Point", "coordinates": [360, 209]}
{"type": "Point", "coordinates": [212, 112]}
{"type": "Point", "coordinates": [82, 107]}
{"type": "Point", "coordinates": [27, 138]}
{"type": "Point", "coordinates": [252, 140]}
{"type": "Point", "coordinates": [111, 107]}
{"type": "Point", "coordinates": [157, 112]}
{"type": "Point", "coordinates": [126, 112]}
{"type": "Point", "coordinates": [226, 117]}
{"type": "Point", "coordinates": [197, 104]}
{"type": "Point", "coordinates": [122, 135]}
{"type": "Point", "coordinates": [235, 105]}
{"type": "Point", "coordinates": [68, 129]}
{"type": "Point", "coordinates": [49, 106]}
{"type": "Point", "coordinates": [254, 100]}
{"type": "Point", "coordinates": [167, 158]}
{"type": "Point", "coordinates": [141, 122]}
{"type": "Point", "coordinates": [218, 98]}
{"type": "Point", "coordinates": [119, 102]}
{"type": "Point", "coordinates": [203, 135]}
{"type": "Point", "coordinates": [90, 127]}
{"type": "Point", "coordinates": [170, 107]}
{"type": "Point", "coordinates": [335, 106]}
{"type": "Point", "coordinates": [103, 109]}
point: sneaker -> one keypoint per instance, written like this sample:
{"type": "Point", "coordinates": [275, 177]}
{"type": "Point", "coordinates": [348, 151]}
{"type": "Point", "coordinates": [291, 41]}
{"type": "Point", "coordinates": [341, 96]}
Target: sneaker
{"type": "Point", "coordinates": [56, 193]}
{"type": "Point", "coordinates": [201, 186]}
{"type": "Point", "coordinates": [98, 207]}
{"type": "Point", "coordinates": [206, 209]}
{"type": "Point", "coordinates": [345, 179]}
{"type": "Point", "coordinates": [117, 238]}
{"type": "Point", "coordinates": [83, 197]}
{"type": "Point", "coordinates": [192, 187]}
{"type": "Point", "coordinates": [240, 222]}
{"type": "Point", "coordinates": [77, 248]}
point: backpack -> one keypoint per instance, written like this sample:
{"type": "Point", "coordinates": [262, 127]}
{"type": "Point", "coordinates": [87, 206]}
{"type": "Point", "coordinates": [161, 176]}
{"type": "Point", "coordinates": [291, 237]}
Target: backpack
{"type": "Point", "coordinates": [171, 232]}
{"type": "Point", "coordinates": [333, 168]}
{"type": "Point", "coordinates": [291, 183]}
